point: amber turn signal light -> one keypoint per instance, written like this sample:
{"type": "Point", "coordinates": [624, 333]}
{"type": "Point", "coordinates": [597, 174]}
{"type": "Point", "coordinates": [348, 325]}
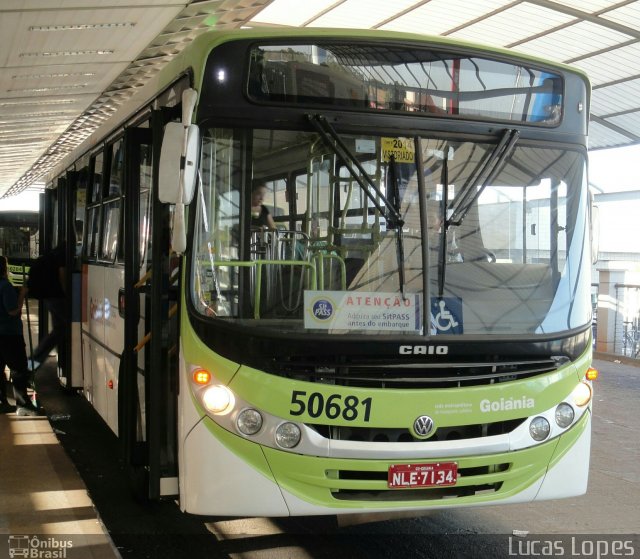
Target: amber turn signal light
{"type": "Point", "coordinates": [201, 377]}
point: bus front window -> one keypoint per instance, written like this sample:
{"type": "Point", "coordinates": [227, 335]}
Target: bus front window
{"type": "Point", "coordinates": [332, 235]}
{"type": "Point", "coordinates": [516, 239]}
{"type": "Point", "coordinates": [362, 245]}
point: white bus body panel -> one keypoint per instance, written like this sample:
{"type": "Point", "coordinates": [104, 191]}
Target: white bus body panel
{"type": "Point", "coordinates": [76, 379]}
{"type": "Point", "coordinates": [570, 476]}
{"type": "Point", "coordinates": [94, 385]}
{"type": "Point", "coordinates": [106, 329]}
{"type": "Point", "coordinates": [216, 481]}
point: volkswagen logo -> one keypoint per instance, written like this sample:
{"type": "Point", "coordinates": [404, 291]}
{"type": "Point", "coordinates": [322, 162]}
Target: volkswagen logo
{"type": "Point", "coordinates": [423, 426]}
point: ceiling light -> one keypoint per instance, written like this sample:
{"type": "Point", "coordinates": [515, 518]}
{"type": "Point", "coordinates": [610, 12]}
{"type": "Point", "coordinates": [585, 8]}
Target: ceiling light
{"type": "Point", "coordinates": [40, 115]}
{"type": "Point", "coordinates": [67, 53]}
{"type": "Point", "coordinates": [43, 89]}
{"type": "Point", "coordinates": [51, 102]}
{"type": "Point", "coordinates": [56, 75]}
{"type": "Point", "coordinates": [80, 26]}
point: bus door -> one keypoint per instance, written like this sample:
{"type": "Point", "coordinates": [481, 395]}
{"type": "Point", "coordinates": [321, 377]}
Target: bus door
{"type": "Point", "coordinates": [102, 278]}
{"type": "Point", "coordinates": [75, 207]}
{"type": "Point", "coordinates": [147, 382]}
{"type": "Point", "coordinates": [53, 209]}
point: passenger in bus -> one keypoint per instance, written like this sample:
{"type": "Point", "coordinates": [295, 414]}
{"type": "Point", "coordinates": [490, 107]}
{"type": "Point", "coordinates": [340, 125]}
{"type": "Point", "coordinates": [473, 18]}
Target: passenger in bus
{"type": "Point", "coordinates": [260, 214]}
{"type": "Point", "coordinates": [13, 353]}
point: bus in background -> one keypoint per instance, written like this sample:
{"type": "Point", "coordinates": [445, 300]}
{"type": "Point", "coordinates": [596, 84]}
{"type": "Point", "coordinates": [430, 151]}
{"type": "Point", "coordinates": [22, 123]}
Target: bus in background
{"type": "Point", "coordinates": [19, 241]}
{"type": "Point", "coordinates": [415, 331]}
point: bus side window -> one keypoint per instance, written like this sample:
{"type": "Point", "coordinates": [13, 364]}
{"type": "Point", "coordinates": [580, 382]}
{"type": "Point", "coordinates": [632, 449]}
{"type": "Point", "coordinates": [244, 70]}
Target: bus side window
{"type": "Point", "coordinates": [93, 206]}
{"type": "Point", "coordinates": [110, 231]}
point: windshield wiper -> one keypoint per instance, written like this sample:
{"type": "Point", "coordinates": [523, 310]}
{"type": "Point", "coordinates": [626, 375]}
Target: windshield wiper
{"type": "Point", "coordinates": [366, 183]}
{"type": "Point", "coordinates": [443, 248]}
{"type": "Point", "coordinates": [394, 190]}
{"type": "Point", "coordinates": [333, 140]}
{"type": "Point", "coordinates": [482, 177]}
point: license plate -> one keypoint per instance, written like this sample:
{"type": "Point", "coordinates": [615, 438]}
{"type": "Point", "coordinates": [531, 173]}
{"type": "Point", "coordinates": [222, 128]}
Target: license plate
{"type": "Point", "coordinates": [438, 474]}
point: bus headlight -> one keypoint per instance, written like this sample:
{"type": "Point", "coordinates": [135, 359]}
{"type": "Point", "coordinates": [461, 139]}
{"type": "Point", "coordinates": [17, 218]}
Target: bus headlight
{"type": "Point", "coordinates": [288, 435]}
{"type": "Point", "coordinates": [539, 428]}
{"type": "Point", "coordinates": [249, 421]}
{"type": "Point", "coordinates": [218, 399]}
{"type": "Point", "coordinates": [564, 415]}
{"type": "Point", "coordinates": [582, 394]}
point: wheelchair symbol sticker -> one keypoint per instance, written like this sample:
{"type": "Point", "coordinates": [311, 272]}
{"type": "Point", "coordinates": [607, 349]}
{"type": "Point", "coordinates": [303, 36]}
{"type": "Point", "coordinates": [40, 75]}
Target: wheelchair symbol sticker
{"type": "Point", "coordinates": [446, 315]}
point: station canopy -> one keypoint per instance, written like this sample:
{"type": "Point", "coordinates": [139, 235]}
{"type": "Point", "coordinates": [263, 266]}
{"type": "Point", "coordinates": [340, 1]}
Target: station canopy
{"type": "Point", "coordinates": [73, 66]}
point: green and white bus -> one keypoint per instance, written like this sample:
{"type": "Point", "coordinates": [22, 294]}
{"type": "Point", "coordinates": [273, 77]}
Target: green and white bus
{"type": "Point", "coordinates": [19, 241]}
{"type": "Point", "coordinates": [414, 332]}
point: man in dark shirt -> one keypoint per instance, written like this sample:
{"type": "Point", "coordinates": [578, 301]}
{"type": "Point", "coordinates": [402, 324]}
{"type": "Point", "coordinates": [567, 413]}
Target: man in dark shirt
{"type": "Point", "coordinates": [56, 304]}
{"type": "Point", "coordinates": [260, 215]}
{"type": "Point", "coordinates": [12, 348]}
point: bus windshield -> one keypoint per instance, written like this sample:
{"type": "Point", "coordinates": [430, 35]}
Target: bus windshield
{"type": "Point", "coordinates": [396, 78]}
{"type": "Point", "coordinates": [486, 243]}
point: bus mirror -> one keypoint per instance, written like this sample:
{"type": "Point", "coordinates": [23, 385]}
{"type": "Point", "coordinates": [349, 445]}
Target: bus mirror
{"type": "Point", "coordinates": [169, 171]}
{"type": "Point", "coordinates": [178, 163]}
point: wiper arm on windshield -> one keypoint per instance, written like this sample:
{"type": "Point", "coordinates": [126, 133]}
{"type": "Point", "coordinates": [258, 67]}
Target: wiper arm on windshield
{"type": "Point", "coordinates": [443, 248]}
{"type": "Point", "coordinates": [331, 138]}
{"type": "Point", "coordinates": [350, 161]}
{"type": "Point", "coordinates": [394, 189]}
{"type": "Point", "coordinates": [483, 176]}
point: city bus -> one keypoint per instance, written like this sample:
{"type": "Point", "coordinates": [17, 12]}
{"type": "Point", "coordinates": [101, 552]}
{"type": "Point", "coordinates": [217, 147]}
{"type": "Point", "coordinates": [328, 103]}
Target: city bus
{"type": "Point", "coordinates": [19, 241]}
{"type": "Point", "coordinates": [413, 331]}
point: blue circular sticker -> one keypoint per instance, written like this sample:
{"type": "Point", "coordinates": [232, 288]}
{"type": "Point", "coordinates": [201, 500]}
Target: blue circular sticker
{"type": "Point", "coordinates": [322, 309]}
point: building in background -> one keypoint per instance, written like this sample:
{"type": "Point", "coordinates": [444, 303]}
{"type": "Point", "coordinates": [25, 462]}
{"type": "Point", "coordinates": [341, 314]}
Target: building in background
{"type": "Point", "coordinates": [615, 180]}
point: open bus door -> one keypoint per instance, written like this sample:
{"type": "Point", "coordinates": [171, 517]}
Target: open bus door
{"type": "Point", "coordinates": [72, 195]}
{"type": "Point", "coordinates": [148, 368]}
{"type": "Point", "coordinates": [57, 227]}
{"type": "Point", "coordinates": [54, 219]}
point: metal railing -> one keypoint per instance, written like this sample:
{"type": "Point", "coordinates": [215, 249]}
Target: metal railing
{"type": "Point", "coordinates": [626, 320]}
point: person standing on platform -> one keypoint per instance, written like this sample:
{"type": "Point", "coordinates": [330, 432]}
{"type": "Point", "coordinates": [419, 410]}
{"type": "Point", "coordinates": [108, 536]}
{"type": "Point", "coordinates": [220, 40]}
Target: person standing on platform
{"type": "Point", "coordinates": [46, 282]}
{"type": "Point", "coordinates": [13, 352]}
